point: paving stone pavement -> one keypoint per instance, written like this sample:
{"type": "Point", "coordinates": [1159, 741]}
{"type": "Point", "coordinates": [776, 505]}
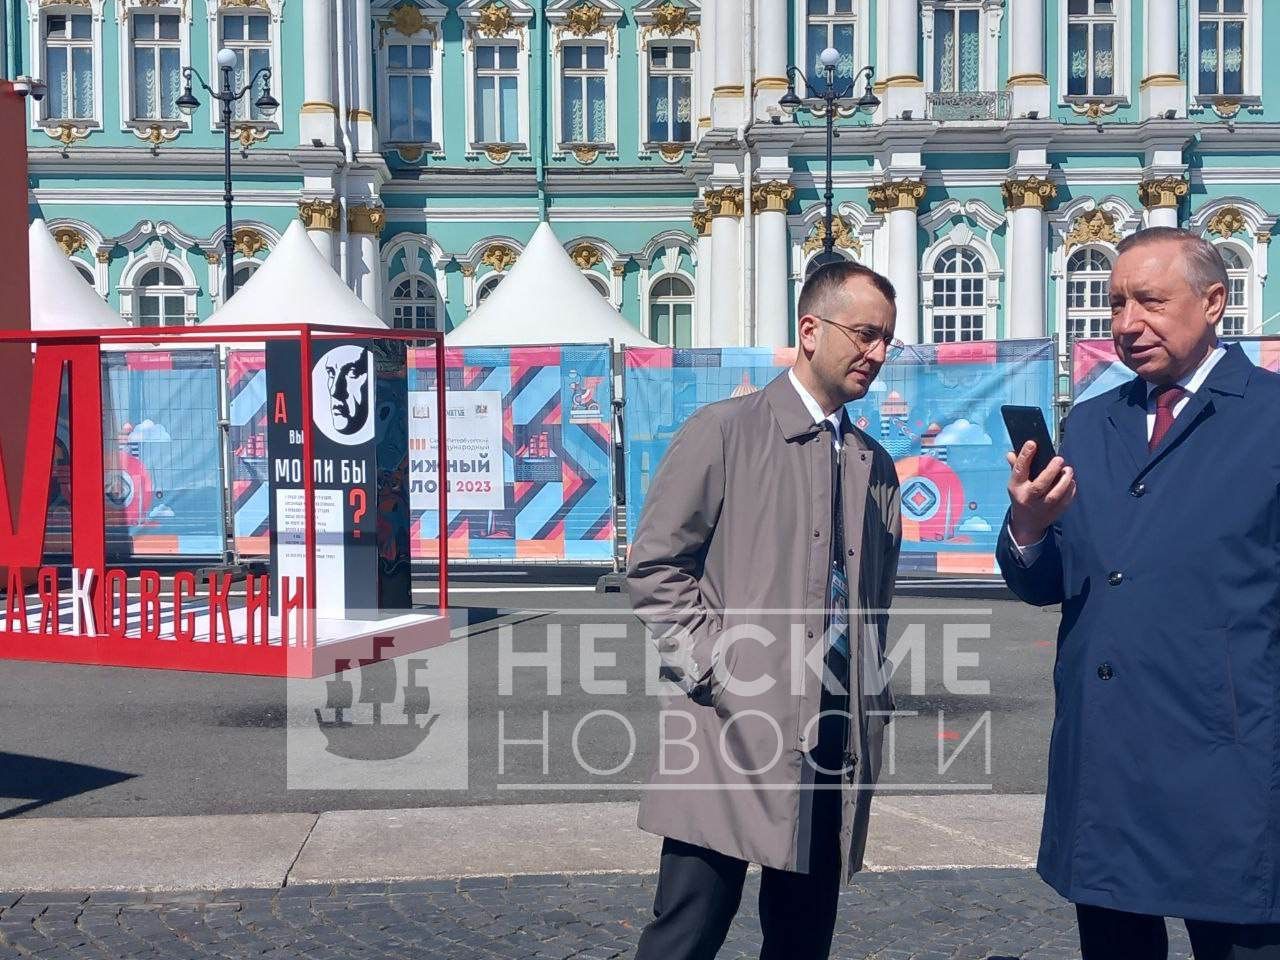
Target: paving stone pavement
{"type": "Point", "coordinates": [976, 914]}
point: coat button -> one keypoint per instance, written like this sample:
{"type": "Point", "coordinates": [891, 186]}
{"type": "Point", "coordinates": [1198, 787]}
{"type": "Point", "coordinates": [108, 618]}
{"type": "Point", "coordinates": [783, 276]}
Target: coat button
{"type": "Point", "coordinates": [1105, 672]}
{"type": "Point", "coordinates": [810, 633]}
{"type": "Point", "coordinates": [817, 533]}
{"type": "Point", "coordinates": [1115, 578]}
{"type": "Point", "coordinates": [851, 551]}
{"type": "Point", "coordinates": [1138, 489]}
{"type": "Point", "coordinates": [850, 762]}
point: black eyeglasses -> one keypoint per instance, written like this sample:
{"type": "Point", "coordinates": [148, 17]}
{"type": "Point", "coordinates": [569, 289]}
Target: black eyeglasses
{"type": "Point", "coordinates": [866, 337]}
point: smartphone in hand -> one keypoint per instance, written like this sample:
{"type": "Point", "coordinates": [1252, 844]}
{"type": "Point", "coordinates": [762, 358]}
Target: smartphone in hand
{"type": "Point", "coordinates": [1027, 423]}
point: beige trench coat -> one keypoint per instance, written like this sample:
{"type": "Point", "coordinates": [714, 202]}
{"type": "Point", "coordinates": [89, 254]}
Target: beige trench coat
{"type": "Point", "coordinates": [729, 566]}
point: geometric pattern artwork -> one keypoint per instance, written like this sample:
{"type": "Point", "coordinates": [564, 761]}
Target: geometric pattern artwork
{"type": "Point", "coordinates": [557, 438]}
{"type": "Point", "coordinates": [936, 410]}
{"type": "Point", "coordinates": [250, 499]}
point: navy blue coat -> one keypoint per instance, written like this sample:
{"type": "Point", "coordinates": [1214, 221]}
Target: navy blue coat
{"type": "Point", "coordinates": [1164, 764]}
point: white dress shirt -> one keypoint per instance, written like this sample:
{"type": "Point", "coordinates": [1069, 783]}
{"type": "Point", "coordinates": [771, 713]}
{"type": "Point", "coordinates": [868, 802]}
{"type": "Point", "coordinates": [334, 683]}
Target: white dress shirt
{"type": "Point", "coordinates": [815, 410]}
{"type": "Point", "coordinates": [1190, 382]}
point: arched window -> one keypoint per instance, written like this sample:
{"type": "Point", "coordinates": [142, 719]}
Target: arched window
{"type": "Point", "coordinates": [959, 293]}
{"type": "Point", "coordinates": [83, 269]}
{"type": "Point", "coordinates": [414, 305]}
{"type": "Point", "coordinates": [244, 270]}
{"type": "Point", "coordinates": [161, 299]}
{"type": "Point", "coordinates": [487, 287]}
{"type": "Point", "coordinates": [1235, 321]}
{"type": "Point", "coordinates": [671, 312]}
{"type": "Point", "coordinates": [599, 282]}
{"type": "Point", "coordinates": [1088, 292]}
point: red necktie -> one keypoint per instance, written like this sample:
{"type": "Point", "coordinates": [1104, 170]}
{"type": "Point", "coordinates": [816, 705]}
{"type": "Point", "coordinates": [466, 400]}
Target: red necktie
{"type": "Point", "coordinates": [1167, 398]}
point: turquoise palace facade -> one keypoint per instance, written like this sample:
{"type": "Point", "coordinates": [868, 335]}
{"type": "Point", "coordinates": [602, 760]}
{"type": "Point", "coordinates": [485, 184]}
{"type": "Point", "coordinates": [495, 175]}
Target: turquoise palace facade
{"type": "Point", "coordinates": [421, 141]}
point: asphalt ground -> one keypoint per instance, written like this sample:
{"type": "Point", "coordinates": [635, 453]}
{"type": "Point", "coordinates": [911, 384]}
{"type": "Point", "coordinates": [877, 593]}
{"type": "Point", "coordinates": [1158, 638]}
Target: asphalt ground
{"type": "Point", "coordinates": [94, 741]}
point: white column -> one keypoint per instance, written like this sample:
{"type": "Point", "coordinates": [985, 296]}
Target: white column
{"type": "Point", "coordinates": [771, 54]}
{"type": "Point", "coordinates": [727, 92]}
{"type": "Point", "coordinates": [1162, 87]}
{"type": "Point", "coordinates": [702, 281]}
{"type": "Point", "coordinates": [369, 269]}
{"type": "Point", "coordinates": [320, 217]}
{"type": "Point", "coordinates": [1160, 196]}
{"type": "Point", "coordinates": [366, 135]}
{"type": "Point", "coordinates": [706, 63]}
{"type": "Point", "coordinates": [1025, 200]}
{"type": "Point", "coordinates": [773, 308]}
{"type": "Point", "coordinates": [318, 111]}
{"type": "Point", "coordinates": [725, 206]}
{"type": "Point", "coordinates": [898, 201]}
{"type": "Point", "coordinates": [1028, 83]}
{"type": "Point", "coordinates": [903, 88]}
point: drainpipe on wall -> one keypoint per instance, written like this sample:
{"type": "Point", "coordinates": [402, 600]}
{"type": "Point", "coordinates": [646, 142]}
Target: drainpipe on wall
{"type": "Point", "coordinates": [540, 154]}
{"type": "Point", "coordinates": [344, 127]}
{"type": "Point", "coordinates": [747, 240]}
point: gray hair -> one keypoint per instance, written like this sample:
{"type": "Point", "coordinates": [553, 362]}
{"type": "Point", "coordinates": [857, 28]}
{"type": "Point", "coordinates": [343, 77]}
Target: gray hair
{"type": "Point", "coordinates": [1204, 263]}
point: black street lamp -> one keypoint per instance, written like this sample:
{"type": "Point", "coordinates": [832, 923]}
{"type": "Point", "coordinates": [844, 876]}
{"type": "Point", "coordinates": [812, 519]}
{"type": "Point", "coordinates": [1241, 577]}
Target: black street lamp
{"type": "Point", "coordinates": [228, 96]}
{"type": "Point", "coordinates": [830, 97]}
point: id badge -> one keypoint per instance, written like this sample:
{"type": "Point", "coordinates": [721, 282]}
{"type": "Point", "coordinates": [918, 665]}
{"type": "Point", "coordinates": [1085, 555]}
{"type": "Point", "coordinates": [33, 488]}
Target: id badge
{"type": "Point", "coordinates": [838, 624]}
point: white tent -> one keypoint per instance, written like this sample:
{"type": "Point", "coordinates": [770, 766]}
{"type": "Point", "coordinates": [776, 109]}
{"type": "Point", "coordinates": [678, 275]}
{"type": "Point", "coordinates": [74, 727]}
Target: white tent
{"type": "Point", "coordinates": [295, 285]}
{"type": "Point", "coordinates": [545, 299]}
{"type": "Point", "coordinates": [60, 297]}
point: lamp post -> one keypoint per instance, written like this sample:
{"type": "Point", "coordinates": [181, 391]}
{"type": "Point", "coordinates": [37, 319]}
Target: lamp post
{"type": "Point", "coordinates": [228, 96]}
{"type": "Point", "coordinates": [831, 98]}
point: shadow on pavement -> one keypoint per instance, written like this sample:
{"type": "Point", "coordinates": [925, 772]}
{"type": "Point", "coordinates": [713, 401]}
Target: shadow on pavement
{"type": "Point", "coordinates": [40, 781]}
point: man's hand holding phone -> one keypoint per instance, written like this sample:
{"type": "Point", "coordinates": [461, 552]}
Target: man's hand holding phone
{"type": "Point", "coordinates": [1036, 504]}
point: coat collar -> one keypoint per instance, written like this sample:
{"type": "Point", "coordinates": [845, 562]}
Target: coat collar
{"type": "Point", "coordinates": [795, 420]}
{"type": "Point", "coordinates": [1128, 412]}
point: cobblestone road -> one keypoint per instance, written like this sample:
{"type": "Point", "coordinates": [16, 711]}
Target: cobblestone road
{"type": "Point", "coordinates": [917, 915]}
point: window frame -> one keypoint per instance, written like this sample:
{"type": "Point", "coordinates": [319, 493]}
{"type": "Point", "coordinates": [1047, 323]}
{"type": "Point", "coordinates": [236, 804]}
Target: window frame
{"type": "Point", "coordinates": [605, 33]}
{"type": "Point", "coordinates": [1251, 289]}
{"type": "Point", "coordinates": [163, 293]}
{"type": "Point", "coordinates": [273, 10]}
{"type": "Point", "coordinates": [40, 119]}
{"type": "Point", "coordinates": [990, 276]}
{"type": "Point", "coordinates": [1089, 313]}
{"type": "Point", "coordinates": [1252, 38]}
{"type": "Point", "coordinates": [131, 290]}
{"type": "Point", "coordinates": [394, 301]}
{"type": "Point", "coordinates": [582, 74]}
{"type": "Point", "coordinates": [651, 301]}
{"type": "Point", "coordinates": [517, 33]}
{"type": "Point", "coordinates": [428, 36]}
{"type": "Point", "coordinates": [861, 38]}
{"type": "Point", "coordinates": [647, 74]}
{"type": "Point", "coordinates": [1121, 52]}
{"type": "Point", "coordinates": [990, 16]}
{"type": "Point", "coordinates": [128, 10]}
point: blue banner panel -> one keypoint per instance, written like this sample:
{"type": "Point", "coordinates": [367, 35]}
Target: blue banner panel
{"type": "Point", "coordinates": [936, 410]}
{"type": "Point", "coordinates": [529, 468]}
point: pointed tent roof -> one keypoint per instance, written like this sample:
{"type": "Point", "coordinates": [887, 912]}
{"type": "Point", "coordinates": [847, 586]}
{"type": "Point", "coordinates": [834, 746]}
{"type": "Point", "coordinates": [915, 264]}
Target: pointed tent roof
{"type": "Point", "coordinates": [545, 299]}
{"type": "Point", "coordinates": [60, 298]}
{"type": "Point", "coordinates": [295, 285]}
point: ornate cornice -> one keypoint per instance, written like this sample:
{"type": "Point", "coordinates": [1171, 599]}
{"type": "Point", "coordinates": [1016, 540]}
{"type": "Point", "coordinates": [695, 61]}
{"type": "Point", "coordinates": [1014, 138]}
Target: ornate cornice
{"type": "Point", "coordinates": [619, 268]}
{"type": "Point", "coordinates": [70, 239]}
{"type": "Point", "coordinates": [772, 196]}
{"type": "Point", "coordinates": [247, 134]}
{"type": "Point", "coordinates": [249, 241]}
{"type": "Point", "coordinates": [1227, 222]}
{"type": "Point", "coordinates": [318, 214]}
{"type": "Point", "coordinates": [585, 256]}
{"type": "Point", "coordinates": [497, 153]}
{"type": "Point", "coordinates": [896, 195]}
{"type": "Point", "coordinates": [701, 220]}
{"type": "Point", "coordinates": [408, 20]}
{"type": "Point", "coordinates": [586, 155]}
{"type": "Point", "coordinates": [724, 202]}
{"type": "Point", "coordinates": [499, 256]}
{"type": "Point", "coordinates": [1162, 191]}
{"type": "Point", "coordinates": [668, 20]}
{"type": "Point", "coordinates": [840, 235]}
{"type": "Point", "coordinates": [1034, 192]}
{"type": "Point", "coordinates": [583, 20]}
{"type": "Point", "coordinates": [1096, 226]}
{"type": "Point", "coordinates": [66, 133]}
{"type": "Point", "coordinates": [467, 270]}
{"type": "Point", "coordinates": [366, 218]}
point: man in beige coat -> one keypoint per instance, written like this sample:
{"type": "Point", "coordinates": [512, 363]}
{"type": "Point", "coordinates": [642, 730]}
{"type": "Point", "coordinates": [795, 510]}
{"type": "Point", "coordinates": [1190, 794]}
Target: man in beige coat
{"type": "Point", "coordinates": [763, 568]}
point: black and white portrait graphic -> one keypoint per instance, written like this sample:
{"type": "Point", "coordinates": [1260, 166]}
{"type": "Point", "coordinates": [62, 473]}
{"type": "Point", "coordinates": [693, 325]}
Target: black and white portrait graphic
{"type": "Point", "coordinates": [342, 394]}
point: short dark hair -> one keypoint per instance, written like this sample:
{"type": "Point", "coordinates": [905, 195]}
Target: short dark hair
{"type": "Point", "coordinates": [1204, 264]}
{"type": "Point", "coordinates": [826, 284]}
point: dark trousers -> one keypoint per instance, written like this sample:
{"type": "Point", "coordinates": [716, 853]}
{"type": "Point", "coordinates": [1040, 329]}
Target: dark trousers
{"type": "Point", "coordinates": [1115, 935]}
{"type": "Point", "coordinates": [699, 890]}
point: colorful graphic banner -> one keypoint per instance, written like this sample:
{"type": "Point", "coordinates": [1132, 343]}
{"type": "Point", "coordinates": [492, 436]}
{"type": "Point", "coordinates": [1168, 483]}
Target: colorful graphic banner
{"type": "Point", "coordinates": [556, 432]}
{"type": "Point", "coordinates": [1095, 369]}
{"type": "Point", "coordinates": [474, 431]}
{"type": "Point", "coordinates": [250, 496]}
{"type": "Point", "coordinates": [936, 410]}
{"type": "Point", "coordinates": [163, 471]}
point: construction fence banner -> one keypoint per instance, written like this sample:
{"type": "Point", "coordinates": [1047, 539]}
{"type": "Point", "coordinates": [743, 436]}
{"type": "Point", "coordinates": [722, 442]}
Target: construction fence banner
{"type": "Point", "coordinates": [163, 469]}
{"type": "Point", "coordinates": [530, 436]}
{"type": "Point", "coordinates": [1095, 368]}
{"type": "Point", "coordinates": [936, 410]}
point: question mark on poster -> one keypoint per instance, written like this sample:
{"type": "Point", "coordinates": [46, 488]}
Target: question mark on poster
{"type": "Point", "coordinates": [356, 511]}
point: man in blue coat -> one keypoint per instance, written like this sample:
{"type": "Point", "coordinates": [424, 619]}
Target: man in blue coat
{"type": "Point", "coordinates": [1158, 530]}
